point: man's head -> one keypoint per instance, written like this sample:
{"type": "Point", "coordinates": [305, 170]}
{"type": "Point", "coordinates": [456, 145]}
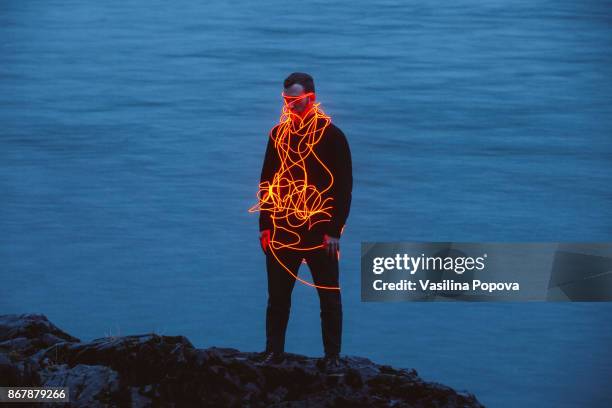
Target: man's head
{"type": "Point", "coordinates": [299, 93]}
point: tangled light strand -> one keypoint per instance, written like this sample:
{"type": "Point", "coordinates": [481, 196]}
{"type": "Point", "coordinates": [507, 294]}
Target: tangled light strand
{"type": "Point", "coordinates": [289, 196]}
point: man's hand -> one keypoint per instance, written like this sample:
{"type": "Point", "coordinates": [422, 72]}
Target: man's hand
{"type": "Point", "coordinates": [264, 240]}
{"type": "Point", "coordinates": [332, 245]}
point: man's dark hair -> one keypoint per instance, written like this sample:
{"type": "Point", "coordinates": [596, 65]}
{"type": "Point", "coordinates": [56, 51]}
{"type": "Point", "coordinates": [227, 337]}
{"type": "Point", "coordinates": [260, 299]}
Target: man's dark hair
{"type": "Point", "coordinates": [300, 78]}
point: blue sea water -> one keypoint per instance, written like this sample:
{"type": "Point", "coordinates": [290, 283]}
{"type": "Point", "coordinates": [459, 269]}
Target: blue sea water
{"type": "Point", "coordinates": [132, 136]}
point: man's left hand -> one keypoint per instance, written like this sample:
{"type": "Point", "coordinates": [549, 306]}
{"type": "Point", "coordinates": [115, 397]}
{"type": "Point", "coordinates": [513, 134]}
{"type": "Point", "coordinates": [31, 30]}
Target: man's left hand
{"type": "Point", "coordinates": [332, 245]}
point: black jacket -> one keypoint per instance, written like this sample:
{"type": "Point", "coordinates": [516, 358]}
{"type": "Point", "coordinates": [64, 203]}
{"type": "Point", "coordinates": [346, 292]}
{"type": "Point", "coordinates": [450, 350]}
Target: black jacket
{"type": "Point", "coordinates": [333, 151]}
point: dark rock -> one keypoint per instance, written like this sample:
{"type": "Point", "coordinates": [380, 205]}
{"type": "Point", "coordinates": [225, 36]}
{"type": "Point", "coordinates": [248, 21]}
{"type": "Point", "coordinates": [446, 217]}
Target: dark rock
{"type": "Point", "coordinates": [90, 385]}
{"type": "Point", "coordinates": [152, 370]}
{"type": "Point", "coordinates": [33, 327]}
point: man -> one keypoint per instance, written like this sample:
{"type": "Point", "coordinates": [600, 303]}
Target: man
{"type": "Point", "coordinates": [304, 201]}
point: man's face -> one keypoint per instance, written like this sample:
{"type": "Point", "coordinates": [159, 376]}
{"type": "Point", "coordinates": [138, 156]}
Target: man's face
{"type": "Point", "coordinates": [297, 101]}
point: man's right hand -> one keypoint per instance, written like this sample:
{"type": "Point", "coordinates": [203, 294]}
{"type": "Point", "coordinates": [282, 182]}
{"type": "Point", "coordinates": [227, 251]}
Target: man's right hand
{"type": "Point", "coordinates": [264, 240]}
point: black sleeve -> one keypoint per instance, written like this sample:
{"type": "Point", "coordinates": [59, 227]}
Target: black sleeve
{"type": "Point", "coordinates": [343, 184]}
{"type": "Point", "coordinates": [269, 167]}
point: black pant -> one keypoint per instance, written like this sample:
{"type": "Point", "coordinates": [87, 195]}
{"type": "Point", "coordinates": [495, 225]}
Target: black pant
{"type": "Point", "coordinates": [324, 270]}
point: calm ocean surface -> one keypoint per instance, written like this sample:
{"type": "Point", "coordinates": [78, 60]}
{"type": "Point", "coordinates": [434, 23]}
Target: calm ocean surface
{"type": "Point", "coordinates": [132, 136]}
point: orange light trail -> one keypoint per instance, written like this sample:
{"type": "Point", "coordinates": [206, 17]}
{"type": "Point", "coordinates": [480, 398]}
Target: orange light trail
{"type": "Point", "coordinates": [289, 196]}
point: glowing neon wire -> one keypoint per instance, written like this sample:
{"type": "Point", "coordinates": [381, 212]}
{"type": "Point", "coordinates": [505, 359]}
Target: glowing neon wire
{"type": "Point", "coordinates": [289, 196]}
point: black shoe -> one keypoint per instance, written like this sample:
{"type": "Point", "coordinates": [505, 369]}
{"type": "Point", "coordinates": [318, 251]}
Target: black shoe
{"type": "Point", "coordinates": [272, 357]}
{"type": "Point", "coordinates": [333, 365]}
